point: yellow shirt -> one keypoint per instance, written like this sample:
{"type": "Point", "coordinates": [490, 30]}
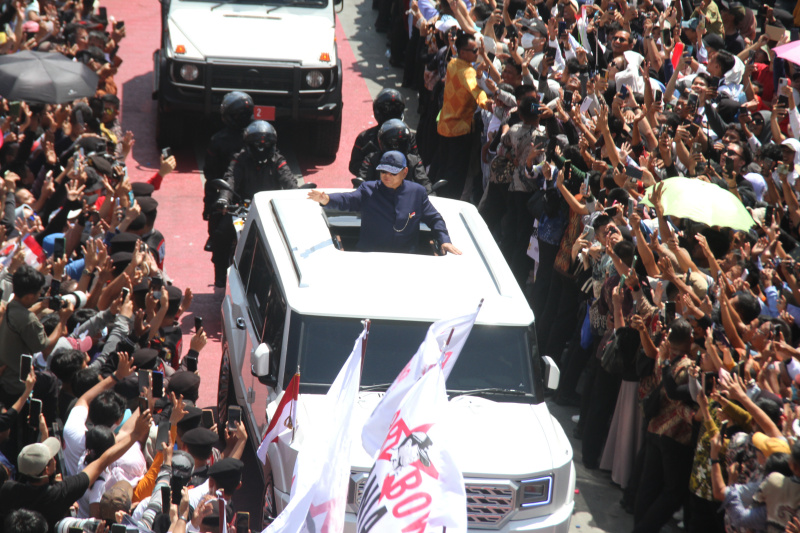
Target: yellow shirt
{"type": "Point", "coordinates": [714, 20]}
{"type": "Point", "coordinates": [461, 97]}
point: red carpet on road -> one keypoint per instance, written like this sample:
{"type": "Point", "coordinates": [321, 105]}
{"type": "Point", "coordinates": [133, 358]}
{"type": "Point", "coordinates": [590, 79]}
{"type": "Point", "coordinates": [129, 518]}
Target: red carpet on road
{"type": "Point", "coordinates": [181, 194]}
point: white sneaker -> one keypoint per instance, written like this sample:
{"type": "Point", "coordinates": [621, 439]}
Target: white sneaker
{"type": "Point", "coordinates": [678, 516]}
{"type": "Point", "coordinates": [576, 418]}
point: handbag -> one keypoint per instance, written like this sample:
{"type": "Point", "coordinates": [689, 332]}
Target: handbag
{"type": "Point", "coordinates": [501, 169]}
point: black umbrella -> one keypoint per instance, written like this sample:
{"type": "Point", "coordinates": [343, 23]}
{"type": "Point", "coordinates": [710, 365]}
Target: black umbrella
{"type": "Point", "coordinates": [44, 77]}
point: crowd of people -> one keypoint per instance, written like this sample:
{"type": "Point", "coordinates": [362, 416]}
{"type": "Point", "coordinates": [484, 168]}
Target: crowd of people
{"type": "Point", "coordinates": [565, 122]}
{"type": "Point", "coordinates": [98, 426]}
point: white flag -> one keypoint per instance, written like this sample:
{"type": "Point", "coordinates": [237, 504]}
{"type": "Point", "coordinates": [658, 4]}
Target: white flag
{"type": "Point", "coordinates": [322, 469]}
{"type": "Point", "coordinates": [433, 348]}
{"type": "Point", "coordinates": [284, 420]}
{"type": "Point", "coordinates": [415, 486]}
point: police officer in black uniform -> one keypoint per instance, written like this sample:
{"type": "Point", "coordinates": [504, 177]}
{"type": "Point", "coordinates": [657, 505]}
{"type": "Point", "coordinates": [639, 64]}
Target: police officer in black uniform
{"type": "Point", "coordinates": [237, 113]}
{"type": "Point", "coordinates": [258, 167]}
{"type": "Point", "coordinates": [394, 135]}
{"type": "Point", "coordinates": [387, 105]}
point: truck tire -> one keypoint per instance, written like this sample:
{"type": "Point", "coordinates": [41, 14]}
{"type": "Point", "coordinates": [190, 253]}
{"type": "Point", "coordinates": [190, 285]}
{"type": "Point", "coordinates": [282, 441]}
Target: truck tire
{"type": "Point", "coordinates": [226, 394]}
{"type": "Point", "coordinates": [328, 136]}
{"type": "Point", "coordinates": [169, 131]}
{"type": "Point", "coordinates": [268, 509]}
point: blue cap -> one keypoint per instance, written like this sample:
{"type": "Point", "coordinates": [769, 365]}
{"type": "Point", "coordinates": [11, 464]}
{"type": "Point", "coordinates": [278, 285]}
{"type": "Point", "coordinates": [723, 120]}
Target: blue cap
{"type": "Point", "coordinates": [49, 243]}
{"type": "Point", "coordinates": [690, 24]}
{"type": "Point", "coordinates": [392, 162]}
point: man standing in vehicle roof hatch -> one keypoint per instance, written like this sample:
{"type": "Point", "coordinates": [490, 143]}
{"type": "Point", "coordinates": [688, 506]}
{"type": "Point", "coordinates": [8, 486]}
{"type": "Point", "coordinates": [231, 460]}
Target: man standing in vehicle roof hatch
{"type": "Point", "coordinates": [391, 210]}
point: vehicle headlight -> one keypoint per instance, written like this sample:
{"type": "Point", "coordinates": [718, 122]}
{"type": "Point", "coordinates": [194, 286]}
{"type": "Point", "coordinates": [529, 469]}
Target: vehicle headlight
{"type": "Point", "coordinates": [536, 491]}
{"type": "Point", "coordinates": [189, 72]}
{"type": "Point", "coordinates": [315, 79]}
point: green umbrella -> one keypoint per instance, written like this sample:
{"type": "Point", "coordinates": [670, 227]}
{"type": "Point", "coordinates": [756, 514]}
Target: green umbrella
{"type": "Point", "coordinates": [703, 202]}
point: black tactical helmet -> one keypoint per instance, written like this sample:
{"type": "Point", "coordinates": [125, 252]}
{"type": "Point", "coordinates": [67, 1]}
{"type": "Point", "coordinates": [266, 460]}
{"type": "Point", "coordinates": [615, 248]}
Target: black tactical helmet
{"type": "Point", "coordinates": [394, 135]}
{"type": "Point", "coordinates": [388, 104]}
{"type": "Point", "coordinates": [260, 139]}
{"type": "Point", "coordinates": [237, 109]}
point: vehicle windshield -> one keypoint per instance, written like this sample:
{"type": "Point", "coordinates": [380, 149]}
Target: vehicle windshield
{"type": "Point", "coordinates": [494, 357]}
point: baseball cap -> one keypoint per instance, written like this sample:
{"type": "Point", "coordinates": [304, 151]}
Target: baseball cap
{"type": "Point", "coordinates": [117, 498]}
{"type": "Point", "coordinates": [392, 162]}
{"type": "Point", "coordinates": [534, 26]}
{"type": "Point", "coordinates": [712, 40]}
{"type": "Point", "coordinates": [33, 458]}
{"type": "Point", "coordinates": [445, 23]}
{"type": "Point", "coordinates": [769, 445]}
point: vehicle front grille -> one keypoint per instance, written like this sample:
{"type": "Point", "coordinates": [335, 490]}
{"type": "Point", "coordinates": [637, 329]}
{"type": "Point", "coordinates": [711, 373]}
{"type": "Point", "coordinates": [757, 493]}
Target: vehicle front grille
{"type": "Point", "coordinates": [488, 505]}
{"type": "Point", "coordinates": [249, 77]}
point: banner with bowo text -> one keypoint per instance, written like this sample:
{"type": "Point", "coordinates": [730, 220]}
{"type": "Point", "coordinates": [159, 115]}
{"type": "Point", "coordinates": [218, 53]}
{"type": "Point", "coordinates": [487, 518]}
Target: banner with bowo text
{"type": "Point", "coordinates": [415, 485]}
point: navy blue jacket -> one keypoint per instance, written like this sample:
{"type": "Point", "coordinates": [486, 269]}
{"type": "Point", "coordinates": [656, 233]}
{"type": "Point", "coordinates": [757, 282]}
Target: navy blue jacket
{"type": "Point", "coordinates": [390, 218]}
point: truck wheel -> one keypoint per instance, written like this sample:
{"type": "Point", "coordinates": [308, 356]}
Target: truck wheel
{"type": "Point", "coordinates": [226, 395]}
{"type": "Point", "coordinates": [269, 512]}
{"type": "Point", "coordinates": [168, 130]}
{"type": "Point", "coordinates": [328, 136]}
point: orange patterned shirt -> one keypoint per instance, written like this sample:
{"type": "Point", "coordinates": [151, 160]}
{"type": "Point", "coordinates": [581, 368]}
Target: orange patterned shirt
{"type": "Point", "coordinates": [461, 97]}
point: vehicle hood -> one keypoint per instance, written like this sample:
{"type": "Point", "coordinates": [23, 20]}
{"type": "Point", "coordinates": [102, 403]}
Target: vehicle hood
{"type": "Point", "coordinates": [294, 34]}
{"type": "Point", "coordinates": [487, 439]}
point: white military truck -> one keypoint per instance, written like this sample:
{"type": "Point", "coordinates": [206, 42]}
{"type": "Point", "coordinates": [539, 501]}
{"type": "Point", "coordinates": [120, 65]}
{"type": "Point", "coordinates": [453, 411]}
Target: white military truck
{"type": "Point", "coordinates": [281, 52]}
{"type": "Point", "coordinates": [296, 295]}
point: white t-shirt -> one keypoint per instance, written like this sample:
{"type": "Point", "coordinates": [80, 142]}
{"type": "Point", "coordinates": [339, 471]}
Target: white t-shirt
{"type": "Point", "coordinates": [130, 467]}
{"type": "Point", "coordinates": [94, 494]}
{"type": "Point", "coordinates": [75, 438]}
{"type": "Point", "coordinates": [195, 495]}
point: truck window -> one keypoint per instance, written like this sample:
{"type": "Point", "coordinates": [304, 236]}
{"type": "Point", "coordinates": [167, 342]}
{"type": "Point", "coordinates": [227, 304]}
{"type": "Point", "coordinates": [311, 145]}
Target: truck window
{"type": "Point", "coordinates": [265, 302]}
{"type": "Point", "coordinates": [245, 264]}
{"type": "Point", "coordinates": [493, 357]}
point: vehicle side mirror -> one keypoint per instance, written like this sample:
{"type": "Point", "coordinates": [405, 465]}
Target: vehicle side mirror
{"type": "Point", "coordinates": [552, 374]}
{"type": "Point", "coordinates": [259, 364]}
{"type": "Point", "coordinates": [438, 185]}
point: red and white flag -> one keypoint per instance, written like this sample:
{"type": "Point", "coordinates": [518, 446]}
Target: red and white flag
{"type": "Point", "coordinates": [443, 343]}
{"type": "Point", "coordinates": [34, 255]}
{"type": "Point", "coordinates": [322, 470]}
{"type": "Point", "coordinates": [415, 485]}
{"type": "Point", "coordinates": [285, 418]}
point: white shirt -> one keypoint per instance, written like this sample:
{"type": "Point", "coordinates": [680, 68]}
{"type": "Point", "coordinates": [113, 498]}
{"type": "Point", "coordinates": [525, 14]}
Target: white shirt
{"type": "Point", "coordinates": [130, 467]}
{"type": "Point", "coordinates": [75, 438]}
{"type": "Point", "coordinates": [94, 494]}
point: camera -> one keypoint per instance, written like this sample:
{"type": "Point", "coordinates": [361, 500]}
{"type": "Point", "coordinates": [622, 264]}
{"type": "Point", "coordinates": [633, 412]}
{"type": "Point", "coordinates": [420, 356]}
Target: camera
{"type": "Point", "coordinates": [77, 298]}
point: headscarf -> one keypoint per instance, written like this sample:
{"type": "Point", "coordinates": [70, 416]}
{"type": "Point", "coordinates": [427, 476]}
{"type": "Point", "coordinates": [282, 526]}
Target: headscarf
{"type": "Point", "coordinates": [766, 132]}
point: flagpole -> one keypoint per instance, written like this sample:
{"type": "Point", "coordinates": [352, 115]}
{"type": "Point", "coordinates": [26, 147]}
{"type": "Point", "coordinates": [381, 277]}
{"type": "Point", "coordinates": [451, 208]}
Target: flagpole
{"type": "Point", "coordinates": [450, 337]}
{"type": "Point", "coordinates": [367, 324]}
{"type": "Point", "coordinates": [292, 405]}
